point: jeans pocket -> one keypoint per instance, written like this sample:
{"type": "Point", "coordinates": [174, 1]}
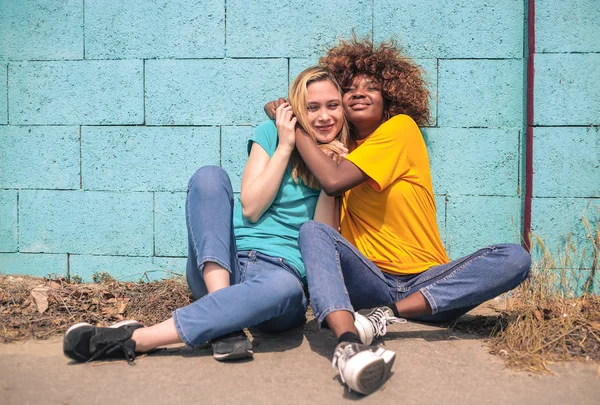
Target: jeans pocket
{"type": "Point", "coordinates": [290, 269]}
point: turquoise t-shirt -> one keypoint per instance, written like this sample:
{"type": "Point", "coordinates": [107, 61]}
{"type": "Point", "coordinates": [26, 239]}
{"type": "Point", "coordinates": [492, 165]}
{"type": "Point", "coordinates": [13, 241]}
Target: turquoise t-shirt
{"type": "Point", "coordinates": [276, 232]}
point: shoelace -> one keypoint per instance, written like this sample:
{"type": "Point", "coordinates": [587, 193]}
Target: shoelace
{"type": "Point", "coordinates": [128, 353]}
{"type": "Point", "coordinates": [341, 355]}
{"type": "Point", "coordinates": [380, 320]}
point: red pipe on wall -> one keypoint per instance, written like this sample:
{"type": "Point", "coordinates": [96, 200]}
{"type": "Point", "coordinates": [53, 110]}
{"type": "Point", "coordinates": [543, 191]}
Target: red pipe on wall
{"type": "Point", "coordinates": [529, 128]}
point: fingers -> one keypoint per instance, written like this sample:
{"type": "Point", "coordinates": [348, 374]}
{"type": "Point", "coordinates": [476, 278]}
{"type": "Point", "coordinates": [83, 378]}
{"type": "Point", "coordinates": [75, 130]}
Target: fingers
{"type": "Point", "coordinates": [284, 113]}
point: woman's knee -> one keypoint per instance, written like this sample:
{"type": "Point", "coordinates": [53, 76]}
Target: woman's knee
{"type": "Point", "coordinates": [310, 229]}
{"type": "Point", "coordinates": [518, 260]}
{"type": "Point", "coordinates": [210, 179]}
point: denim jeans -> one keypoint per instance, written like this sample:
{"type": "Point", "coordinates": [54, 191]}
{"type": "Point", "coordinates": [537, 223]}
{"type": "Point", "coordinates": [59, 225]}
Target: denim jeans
{"type": "Point", "coordinates": [265, 291]}
{"type": "Point", "coordinates": [340, 277]}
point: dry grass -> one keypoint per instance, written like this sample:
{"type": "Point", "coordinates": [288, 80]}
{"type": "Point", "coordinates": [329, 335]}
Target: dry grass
{"type": "Point", "coordinates": [102, 303]}
{"type": "Point", "coordinates": [553, 316]}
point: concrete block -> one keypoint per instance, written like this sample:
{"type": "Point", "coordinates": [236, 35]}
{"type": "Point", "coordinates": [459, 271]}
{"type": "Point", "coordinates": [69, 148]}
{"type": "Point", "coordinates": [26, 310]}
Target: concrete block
{"type": "Point", "coordinates": [37, 265]}
{"type": "Point", "coordinates": [566, 89]}
{"type": "Point", "coordinates": [296, 28]}
{"type": "Point", "coordinates": [122, 268]}
{"type": "Point", "coordinates": [234, 152]}
{"type": "Point", "coordinates": [101, 223]}
{"type": "Point", "coordinates": [212, 92]}
{"type": "Point", "coordinates": [145, 158]}
{"type": "Point", "coordinates": [474, 161]}
{"type": "Point", "coordinates": [565, 222]}
{"type": "Point", "coordinates": [9, 231]}
{"type": "Point", "coordinates": [474, 222]}
{"type": "Point", "coordinates": [450, 29]}
{"type": "Point", "coordinates": [297, 65]}
{"type": "Point", "coordinates": [440, 206]}
{"type": "Point", "coordinates": [39, 157]}
{"type": "Point", "coordinates": [480, 93]}
{"type": "Point", "coordinates": [566, 162]}
{"type": "Point", "coordinates": [76, 92]}
{"type": "Point", "coordinates": [140, 29]}
{"type": "Point", "coordinates": [567, 26]}
{"type": "Point", "coordinates": [41, 29]}
{"type": "Point", "coordinates": [170, 231]}
{"type": "Point", "coordinates": [3, 94]}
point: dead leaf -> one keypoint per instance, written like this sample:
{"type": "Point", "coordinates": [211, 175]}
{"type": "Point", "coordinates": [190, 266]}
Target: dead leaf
{"type": "Point", "coordinates": [40, 297]}
{"type": "Point", "coordinates": [121, 307]}
{"type": "Point", "coordinates": [538, 315]}
{"type": "Point", "coordinates": [55, 284]}
{"type": "Point", "coordinates": [595, 325]}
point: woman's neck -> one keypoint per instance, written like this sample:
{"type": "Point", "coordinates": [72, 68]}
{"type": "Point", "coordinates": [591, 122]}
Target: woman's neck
{"type": "Point", "coordinates": [364, 131]}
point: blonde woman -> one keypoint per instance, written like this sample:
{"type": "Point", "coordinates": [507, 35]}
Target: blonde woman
{"type": "Point", "coordinates": [244, 267]}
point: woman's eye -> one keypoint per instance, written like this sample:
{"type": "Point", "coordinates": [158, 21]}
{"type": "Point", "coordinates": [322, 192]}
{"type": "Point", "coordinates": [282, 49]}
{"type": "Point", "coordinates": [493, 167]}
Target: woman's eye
{"type": "Point", "coordinates": [312, 108]}
{"type": "Point", "coordinates": [333, 106]}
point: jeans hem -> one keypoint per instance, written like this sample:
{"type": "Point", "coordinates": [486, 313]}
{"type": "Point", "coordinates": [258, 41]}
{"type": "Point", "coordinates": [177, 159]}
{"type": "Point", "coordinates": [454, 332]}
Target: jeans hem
{"type": "Point", "coordinates": [215, 260]}
{"type": "Point", "coordinates": [430, 299]}
{"type": "Point", "coordinates": [326, 312]}
{"type": "Point", "coordinates": [180, 331]}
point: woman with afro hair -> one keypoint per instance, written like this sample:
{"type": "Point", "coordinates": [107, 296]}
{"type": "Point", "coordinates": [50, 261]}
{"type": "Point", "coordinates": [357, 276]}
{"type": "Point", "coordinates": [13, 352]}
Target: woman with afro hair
{"type": "Point", "coordinates": [388, 260]}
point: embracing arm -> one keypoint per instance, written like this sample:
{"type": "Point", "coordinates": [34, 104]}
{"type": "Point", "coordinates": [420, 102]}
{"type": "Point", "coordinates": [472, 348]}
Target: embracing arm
{"type": "Point", "coordinates": [334, 178]}
{"type": "Point", "coordinates": [263, 174]}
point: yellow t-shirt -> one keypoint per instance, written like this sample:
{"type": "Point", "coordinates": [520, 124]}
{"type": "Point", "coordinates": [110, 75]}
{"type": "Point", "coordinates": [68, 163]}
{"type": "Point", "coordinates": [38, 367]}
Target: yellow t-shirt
{"type": "Point", "coordinates": [391, 217]}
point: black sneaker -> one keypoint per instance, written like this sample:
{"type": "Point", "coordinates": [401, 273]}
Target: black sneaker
{"type": "Point", "coordinates": [84, 342]}
{"type": "Point", "coordinates": [232, 346]}
{"type": "Point", "coordinates": [363, 368]}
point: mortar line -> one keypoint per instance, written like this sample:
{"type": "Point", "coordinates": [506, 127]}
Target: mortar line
{"type": "Point", "coordinates": [225, 28]}
{"type": "Point", "coordinates": [220, 146]}
{"type": "Point", "coordinates": [372, 20]}
{"type": "Point", "coordinates": [154, 224]}
{"type": "Point", "coordinates": [437, 92]}
{"type": "Point", "coordinates": [83, 27]}
{"type": "Point", "coordinates": [68, 266]}
{"type": "Point", "coordinates": [144, 89]}
{"type": "Point", "coordinates": [18, 221]}
{"type": "Point", "coordinates": [7, 101]}
{"type": "Point", "coordinates": [80, 161]}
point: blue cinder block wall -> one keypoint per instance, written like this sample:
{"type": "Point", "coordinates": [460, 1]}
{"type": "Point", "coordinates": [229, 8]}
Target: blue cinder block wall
{"type": "Point", "coordinates": [107, 107]}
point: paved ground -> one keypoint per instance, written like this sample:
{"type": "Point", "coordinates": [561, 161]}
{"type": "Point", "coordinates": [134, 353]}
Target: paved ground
{"type": "Point", "coordinates": [433, 365]}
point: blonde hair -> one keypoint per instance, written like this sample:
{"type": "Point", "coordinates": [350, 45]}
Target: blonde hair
{"type": "Point", "coordinates": [297, 98]}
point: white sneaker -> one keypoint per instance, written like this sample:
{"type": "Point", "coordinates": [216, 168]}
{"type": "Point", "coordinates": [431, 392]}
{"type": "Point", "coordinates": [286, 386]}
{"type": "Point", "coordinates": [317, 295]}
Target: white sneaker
{"type": "Point", "coordinates": [373, 324]}
{"type": "Point", "coordinates": [363, 368]}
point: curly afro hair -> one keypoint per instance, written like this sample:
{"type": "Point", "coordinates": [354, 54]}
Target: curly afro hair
{"type": "Point", "coordinates": [403, 86]}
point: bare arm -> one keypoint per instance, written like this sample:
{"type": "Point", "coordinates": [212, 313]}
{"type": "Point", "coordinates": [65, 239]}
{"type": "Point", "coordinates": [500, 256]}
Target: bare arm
{"type": "Point", "coordinates": [334, 178]}
{"type": "Point", "coordinates": [262, 175]}
{"type": "Point", "coordinates": [327, 210]}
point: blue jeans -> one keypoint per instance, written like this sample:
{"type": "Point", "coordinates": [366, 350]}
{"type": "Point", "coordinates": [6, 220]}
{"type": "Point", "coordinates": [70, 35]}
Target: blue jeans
{"type": "Point", "coordinates": [340, 277]}
{"type": "Point", "coordinates": [264, 292]}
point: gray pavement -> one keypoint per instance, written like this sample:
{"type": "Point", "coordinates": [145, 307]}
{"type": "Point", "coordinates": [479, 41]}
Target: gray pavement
{"type": "Point", "coordinates": [433, 365]}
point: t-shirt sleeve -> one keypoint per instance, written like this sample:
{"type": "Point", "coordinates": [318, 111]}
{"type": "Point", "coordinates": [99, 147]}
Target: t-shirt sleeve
{"type": "Point", "coordinates": [383, 156]}
{"type": "Point", "coordinates": [266, 136]}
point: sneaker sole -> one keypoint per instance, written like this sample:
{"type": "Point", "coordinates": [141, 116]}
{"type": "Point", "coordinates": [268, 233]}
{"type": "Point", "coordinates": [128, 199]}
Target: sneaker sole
{"type": "Point", "coordinates": [116, 325]}
{"type": "Point", "coordinates": [370, 377]}
{"type": "Point", "coordinates": [373, 375]}
{"type": "Point", "coordinates": [237, 354]}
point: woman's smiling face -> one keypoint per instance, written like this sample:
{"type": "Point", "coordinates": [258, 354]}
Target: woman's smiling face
{"type": "Point", "coordinates": [363, 102]}
{"type": "Point", "coordinates": [324, 110]}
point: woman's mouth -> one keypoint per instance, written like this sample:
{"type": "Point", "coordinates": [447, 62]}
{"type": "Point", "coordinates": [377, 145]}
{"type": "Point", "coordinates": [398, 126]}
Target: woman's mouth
{"type": "Point", "coordinates": [359, 106]}
{"type": "Point", "coordinates": [324, 128]}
